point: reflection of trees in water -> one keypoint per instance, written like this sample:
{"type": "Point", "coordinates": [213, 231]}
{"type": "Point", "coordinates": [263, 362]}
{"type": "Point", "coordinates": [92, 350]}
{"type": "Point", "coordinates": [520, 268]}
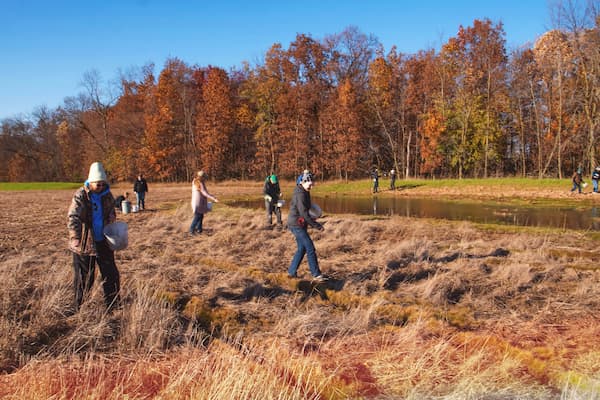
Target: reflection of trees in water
{"type": "Point", "coordinates": [432, 208]}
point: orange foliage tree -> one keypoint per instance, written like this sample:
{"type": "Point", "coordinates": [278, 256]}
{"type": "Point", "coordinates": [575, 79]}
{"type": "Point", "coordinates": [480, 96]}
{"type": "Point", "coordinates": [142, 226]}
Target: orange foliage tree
{"type": "Point", "coordinates": [165, 124]}
{"type": "Point", "coordinates": [343, 123]}
{"type": "Point", "coordinates": [215, 122]}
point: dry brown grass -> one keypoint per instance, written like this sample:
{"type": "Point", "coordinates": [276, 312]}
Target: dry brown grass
{"type": "Point", "coordinates": [416, 309]}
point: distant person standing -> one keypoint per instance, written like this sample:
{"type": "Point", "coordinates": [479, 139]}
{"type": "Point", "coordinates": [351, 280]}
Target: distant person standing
{"type": "Point", "coordinates": [577, 179]}
{"type": "Point", "coordinates": [200, 198]}
{"type": "Point", "coordinates": [140, 187]}
{"type": "Point", "coordinates": [92, 208]}
{"type": "Point", "coordinates": [393, 179]}
{"type": "Point", "coordinates": [272, 193]}
{"type": "Point", "coordinates": [595, 177]}
{"type": "Point", "coordinates": [375, 177]}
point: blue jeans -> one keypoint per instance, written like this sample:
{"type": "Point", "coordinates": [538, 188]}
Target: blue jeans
{"type": "Point", "coordinates": [595, 183]}
{"type": "Point", "coordinates": [141, 197]}
{"type": "Point", "coordinates": [576, 186]}
{"type": "Point", "coordinates": [305, 246]}
{"type": "Point", "coordinates": [197, 223]}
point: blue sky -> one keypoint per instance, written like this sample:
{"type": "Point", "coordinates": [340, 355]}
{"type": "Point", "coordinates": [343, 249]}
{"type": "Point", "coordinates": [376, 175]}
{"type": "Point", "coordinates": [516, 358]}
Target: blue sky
{"type": "Point", "coordinates": [47, 46]}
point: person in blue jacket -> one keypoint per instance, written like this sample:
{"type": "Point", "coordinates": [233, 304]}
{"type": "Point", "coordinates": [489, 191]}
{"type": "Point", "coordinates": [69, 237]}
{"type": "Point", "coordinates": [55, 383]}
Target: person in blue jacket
{"type": "Point", "coordinates": [91, 209]}
{"type": "Point", "coordinates": [299, 219]}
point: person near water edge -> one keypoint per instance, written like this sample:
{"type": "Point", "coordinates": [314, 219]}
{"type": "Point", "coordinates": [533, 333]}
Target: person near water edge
{"type": "Point", "coordinates": [595, 178]}
{"type": "Point", "coordinates": [375, 177]}
{"type": "Point", "coordinates": [299, 219]}
{"type": "Point", "coordinates": [272, 193]}
{"type": "Point", "coordinates": [577, 179]}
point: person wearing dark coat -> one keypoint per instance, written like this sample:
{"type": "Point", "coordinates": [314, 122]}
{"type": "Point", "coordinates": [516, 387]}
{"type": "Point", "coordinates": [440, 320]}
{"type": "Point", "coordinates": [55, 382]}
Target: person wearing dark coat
{"type": "Point", "coordinates": [272, 193]}
{"type": "Point", "coordinates": [375, 177]}
{"type": "Point", "coordinates": [595, 178]}
{"type": "Point", "coordinates": [299, 219]}
{"type": "Point", "coordinates": [140, 187]}
{"type": "Point", "coordinates": [91, 209]}
{"type": "Point", "coordinates": [577, 179]}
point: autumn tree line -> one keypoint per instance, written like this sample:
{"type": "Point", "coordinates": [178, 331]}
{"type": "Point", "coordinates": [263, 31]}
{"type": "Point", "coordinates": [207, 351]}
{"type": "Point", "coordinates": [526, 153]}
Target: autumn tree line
{"type": "Point", "coordinates": [339, 106]}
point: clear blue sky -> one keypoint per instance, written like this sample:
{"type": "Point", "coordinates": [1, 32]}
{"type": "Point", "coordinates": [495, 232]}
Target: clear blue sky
{"type": "Point", "coordinates": [46, 46]}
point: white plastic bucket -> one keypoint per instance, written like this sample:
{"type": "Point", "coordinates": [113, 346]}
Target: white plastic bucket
{"type": "Point", "coordinates": [126, 206]}
{"type": "Point", "coordinates": [315, 211]}
{"type": "Point", "coordinates": [135, 208]}
{"type": "Point", "coordinates": [116, 235]}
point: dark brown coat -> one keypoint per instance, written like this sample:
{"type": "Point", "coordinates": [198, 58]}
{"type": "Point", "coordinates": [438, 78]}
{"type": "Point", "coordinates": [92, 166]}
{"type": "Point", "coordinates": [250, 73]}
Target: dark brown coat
{"type": "Point", "coordinates": [79, 221]}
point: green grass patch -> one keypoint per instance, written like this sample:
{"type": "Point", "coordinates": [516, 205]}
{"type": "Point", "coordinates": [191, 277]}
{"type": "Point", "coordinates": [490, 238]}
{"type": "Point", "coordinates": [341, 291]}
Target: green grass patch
{"type": "Point", "coordinates": [363, 186]}
{"type": "Point", "coordinates": [16, 186]}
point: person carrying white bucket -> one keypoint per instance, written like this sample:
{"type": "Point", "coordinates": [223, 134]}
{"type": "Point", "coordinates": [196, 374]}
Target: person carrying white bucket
{"type": "Point", "coordinates": [92, 209]}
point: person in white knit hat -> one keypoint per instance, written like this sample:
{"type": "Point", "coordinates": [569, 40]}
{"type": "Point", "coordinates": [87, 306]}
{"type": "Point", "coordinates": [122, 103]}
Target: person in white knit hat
{"type": "Point", "coordinates": [92, 208]}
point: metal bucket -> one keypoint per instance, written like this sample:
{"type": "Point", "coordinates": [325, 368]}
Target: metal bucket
{"type": "Point", "coordinates": [116, 235]}
{"type": "Point", "coordinates": [126, 206]}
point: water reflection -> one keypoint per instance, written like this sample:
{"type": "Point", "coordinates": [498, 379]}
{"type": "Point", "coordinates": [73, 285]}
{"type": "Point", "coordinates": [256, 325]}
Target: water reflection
{"type": "Point", "coordinates": [568, 218]}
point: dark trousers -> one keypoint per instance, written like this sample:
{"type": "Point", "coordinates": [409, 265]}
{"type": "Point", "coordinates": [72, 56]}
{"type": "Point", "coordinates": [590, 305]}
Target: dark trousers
{"type": "Point", "coordinates": [84, 268]}
{"type": "Point", "coordinates": [197, 223]}
{"type": "Point", "coordinates": [271, 207]}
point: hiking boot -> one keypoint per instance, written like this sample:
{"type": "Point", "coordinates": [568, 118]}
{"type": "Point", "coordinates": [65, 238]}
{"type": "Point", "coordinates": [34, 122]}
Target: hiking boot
{"type": "Point", "coordinates": [320, 278]}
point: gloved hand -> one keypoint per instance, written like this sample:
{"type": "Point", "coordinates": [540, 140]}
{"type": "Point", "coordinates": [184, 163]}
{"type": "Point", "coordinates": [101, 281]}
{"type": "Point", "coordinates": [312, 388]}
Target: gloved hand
{"type": "Point", "coordinates": [268, 198]}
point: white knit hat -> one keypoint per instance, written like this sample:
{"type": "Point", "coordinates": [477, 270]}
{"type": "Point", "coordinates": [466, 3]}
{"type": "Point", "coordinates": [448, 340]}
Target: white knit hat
{"type": "Point", "coordinates": [97, 173]}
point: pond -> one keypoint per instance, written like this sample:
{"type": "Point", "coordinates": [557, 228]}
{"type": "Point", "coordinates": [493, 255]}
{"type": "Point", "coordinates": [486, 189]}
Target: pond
{"type": "Point", "coordinates": [539, 216]}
